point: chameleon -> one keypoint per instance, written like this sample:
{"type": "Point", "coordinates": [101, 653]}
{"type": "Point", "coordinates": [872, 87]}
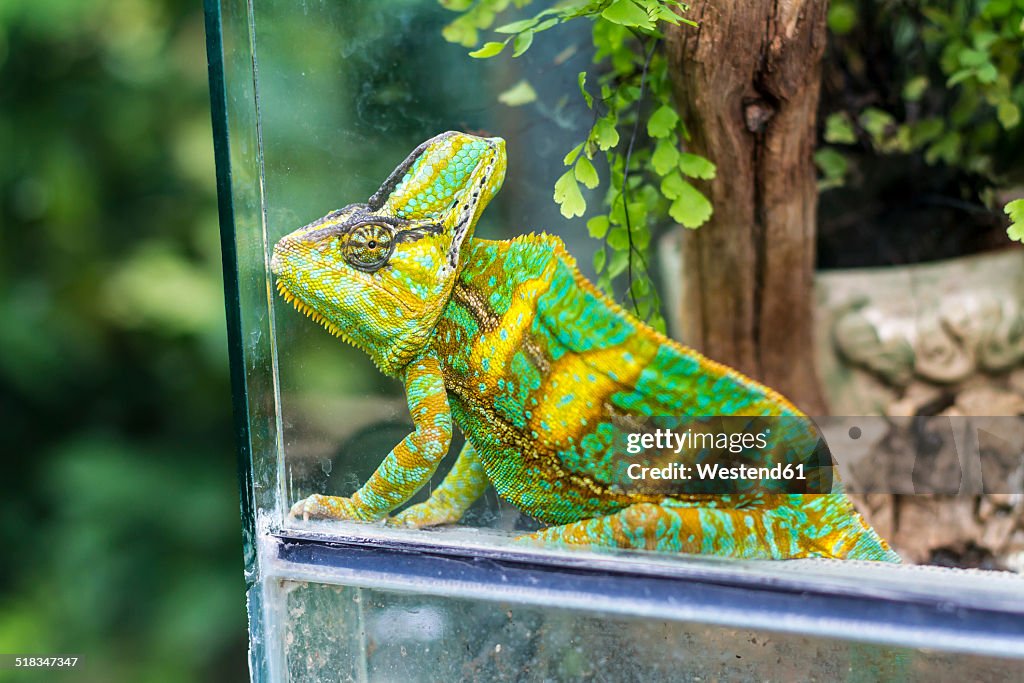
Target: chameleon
{"type": "Point", "coordinates": [540, 370]}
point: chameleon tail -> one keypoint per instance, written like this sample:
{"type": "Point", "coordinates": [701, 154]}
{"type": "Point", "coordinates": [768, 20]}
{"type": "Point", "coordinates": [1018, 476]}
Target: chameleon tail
{"type": "Point", "coordinates": [781, 527]}
{"type": "Point", "coordinates": [837, 519]}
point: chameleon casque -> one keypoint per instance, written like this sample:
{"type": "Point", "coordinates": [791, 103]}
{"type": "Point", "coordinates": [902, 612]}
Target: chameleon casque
{"type": "Point", "coordinates": [538, 369]}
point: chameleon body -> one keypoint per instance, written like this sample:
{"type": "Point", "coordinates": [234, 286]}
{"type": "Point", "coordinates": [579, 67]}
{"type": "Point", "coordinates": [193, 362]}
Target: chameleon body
{"type": "Point", "coordinates": [539, 370]}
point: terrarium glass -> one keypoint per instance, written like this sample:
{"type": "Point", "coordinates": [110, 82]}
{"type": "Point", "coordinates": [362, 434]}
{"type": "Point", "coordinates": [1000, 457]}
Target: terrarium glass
{"type": "Point", "coordinates": [314, 104]}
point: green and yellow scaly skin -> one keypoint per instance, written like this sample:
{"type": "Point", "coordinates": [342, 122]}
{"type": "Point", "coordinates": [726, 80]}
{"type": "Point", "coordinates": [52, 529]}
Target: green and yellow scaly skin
{"type": "Point", "coordinates": [540, 371]}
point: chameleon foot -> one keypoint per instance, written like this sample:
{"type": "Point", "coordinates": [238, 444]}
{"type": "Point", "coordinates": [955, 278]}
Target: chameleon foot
{"type": "Point", "coordinates": [324, 507]}
{"type": "Point", "coordinates": [424, 515]}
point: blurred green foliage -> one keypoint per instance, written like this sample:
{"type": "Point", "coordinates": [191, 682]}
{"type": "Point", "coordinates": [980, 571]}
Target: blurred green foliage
{"type": "Point", "coordinates": [118, 498]}
{"type": "Point", "coordinates": [942, 80]}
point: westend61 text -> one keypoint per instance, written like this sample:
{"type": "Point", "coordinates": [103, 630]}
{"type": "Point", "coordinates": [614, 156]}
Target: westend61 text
{"type": "Point", "coordinates": [710, 472]}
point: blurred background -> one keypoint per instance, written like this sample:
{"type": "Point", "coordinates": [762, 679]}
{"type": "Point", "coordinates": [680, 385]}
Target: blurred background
{"type": "Point", "coordinates": [118, 498]}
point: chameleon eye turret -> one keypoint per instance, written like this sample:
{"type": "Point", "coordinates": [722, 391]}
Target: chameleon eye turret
{"type": "Point", "coordinates": [368, 247]}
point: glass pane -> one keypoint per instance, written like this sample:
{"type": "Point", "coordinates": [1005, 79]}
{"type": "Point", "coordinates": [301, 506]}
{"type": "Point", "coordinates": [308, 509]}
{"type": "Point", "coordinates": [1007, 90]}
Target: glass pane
{"type": "Point", "coordinates": [342, 97]}
{"type": "Point", "coordinates": [344, 633]}
{"type": "Point", "coordinates": [324, 102]}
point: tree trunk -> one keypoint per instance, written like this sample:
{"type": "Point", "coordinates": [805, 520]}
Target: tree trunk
{"type": "Point", "coordinates": [747, 84]}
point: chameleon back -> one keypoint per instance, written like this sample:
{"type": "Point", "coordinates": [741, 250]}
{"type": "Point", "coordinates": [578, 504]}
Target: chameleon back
{"type": "Point", "coordinates": [547, 376]}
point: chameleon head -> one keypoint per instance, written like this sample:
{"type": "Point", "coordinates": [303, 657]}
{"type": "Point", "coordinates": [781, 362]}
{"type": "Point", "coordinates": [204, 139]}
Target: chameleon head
{"type": "Point", "coordinates": [379, 274]}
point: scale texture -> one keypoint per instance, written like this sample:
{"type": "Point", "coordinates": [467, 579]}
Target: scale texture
{"type": "Point", "coordinates": [544, 375]}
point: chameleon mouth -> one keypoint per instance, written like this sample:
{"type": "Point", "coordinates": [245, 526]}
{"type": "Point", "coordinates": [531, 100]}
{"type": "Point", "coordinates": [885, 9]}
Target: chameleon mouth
{"type": "Point", "coordinates": [308, 311]}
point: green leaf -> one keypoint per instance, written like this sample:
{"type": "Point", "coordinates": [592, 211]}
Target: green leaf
{"type": "Point", "coordinates": [519, 94]}
{"type": "Point", "coordinates": [545, 25]}
{"type": "Point", "coordinates": [626, 13]}
{"type": "Point", "coordinates": [665, 156]}
{"type": "Point", "coordinates": [618, 238]}
{"type": "Point", "coordinates": [640, 287]}
{"type": "Point", "coordinates": [946, 148]}
{"type": "Point", "coordinates": [599, 260]}
{"type": "Point", "coordinates": [460, 31]}
{"type": "Point", "coordinates": [842, 18]}
{"type": "Point", "coordinates": [637, 218]}
{"type": "Point", "coordinates": [672, 185]}
{"type": "Point", "coordinates": [619, 263]}
{"type": "Point", "coordinates": [582, 78]}
{"type": "Point", "coordinates": [915, 88]}
{"type": "Point", "coordinates": [517, 26]}
{"type": "Point", "coordinates": [662, 122]}
{"type": "Point", "coordinates": [692, 209]}
{"type": "Point", "coordinates": [1015, 210]}
{"type": "Point", "coordinates": [605, 134]}
{"type": "Point", "coordinates": [958, 76]}
{"type": "Point", "coordinates": [969, 58]}
{"type": "Point", "coordinates": [522, 43]}
{"type": "Point", "coordinates": [570, 158]}
{"type": "Point", "coordinates": [839, 129]}
{"type": "Point", "coordinates": [833, 166]}
{"type": "Point", "coordinates": [876, 122]}
{"type": "Point", "coordinates": [598, 227]}
{"type": "Point", "coordinates": [586, 173]}
{"type": "Point", "coordinates": [1008, 114]}
{"type": "Point", "coordinates": [665, 14]}
{"type": "Point", "coordinates": [984, 39]}
{"type": "Point", "coordinates": [987, 73]}
{"type": "Point", "coordinates": [568, 196]}
{"type": "Point", "coordinates": [696, 166]}
{"type": "Point", "coordinates": [488, 50]}
{"type": "Point", "coordinates": [641, 233]}
{"type": "Point", "coordinates": [925, 131]}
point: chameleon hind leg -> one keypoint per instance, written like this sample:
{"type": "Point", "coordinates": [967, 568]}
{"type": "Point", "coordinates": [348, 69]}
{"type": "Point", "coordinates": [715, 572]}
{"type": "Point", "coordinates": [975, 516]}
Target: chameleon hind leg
{"type": "Point", "coordinates": [462, 486]}
{"type": "Point", "coordinates": [409, 465]}
{"type": "Point", "coordinates": [775, 529]}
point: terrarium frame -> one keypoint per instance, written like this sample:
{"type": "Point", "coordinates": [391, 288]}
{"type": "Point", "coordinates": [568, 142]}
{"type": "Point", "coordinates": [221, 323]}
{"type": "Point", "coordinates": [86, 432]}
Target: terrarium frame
{"type": "Point", "coordinates": [896, 608]}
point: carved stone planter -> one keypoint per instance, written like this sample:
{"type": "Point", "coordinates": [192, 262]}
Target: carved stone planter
{"type": "Point", "coordinates": [884, 331]}
{"type": "Point", "coordinates": [931, 341]}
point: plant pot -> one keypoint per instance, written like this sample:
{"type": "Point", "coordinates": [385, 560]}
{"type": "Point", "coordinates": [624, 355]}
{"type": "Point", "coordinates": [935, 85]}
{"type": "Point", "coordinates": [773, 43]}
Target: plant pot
{"type": "Point", "coordinates": [919, 345]}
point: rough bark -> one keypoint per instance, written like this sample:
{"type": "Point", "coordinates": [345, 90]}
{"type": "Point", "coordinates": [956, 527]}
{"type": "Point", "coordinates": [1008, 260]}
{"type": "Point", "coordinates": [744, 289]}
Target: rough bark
{"type": "Point", "coordinates": [747, 83]}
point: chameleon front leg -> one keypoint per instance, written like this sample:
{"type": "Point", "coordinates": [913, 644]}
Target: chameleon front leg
{"type": "Point", "coordinates": [409, 465]}
{"type": "Point", "coordinates": [462, 486]}
{"type": "Point", "coordinates": [788, 530]}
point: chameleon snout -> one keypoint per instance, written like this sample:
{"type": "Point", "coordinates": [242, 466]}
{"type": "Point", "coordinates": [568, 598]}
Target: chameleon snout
{"type": "Point", "coordinates": [285, 247]}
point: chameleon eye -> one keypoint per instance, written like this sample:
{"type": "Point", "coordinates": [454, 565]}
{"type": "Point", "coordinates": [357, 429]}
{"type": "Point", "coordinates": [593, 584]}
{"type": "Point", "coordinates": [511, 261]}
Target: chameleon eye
{"type": "Point", "coordinates": [369, 246]}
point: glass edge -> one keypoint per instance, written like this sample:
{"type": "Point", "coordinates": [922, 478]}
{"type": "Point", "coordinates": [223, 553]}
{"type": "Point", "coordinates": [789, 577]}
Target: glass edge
{"type": "Point", "coordinates": [875, 580]}
{"type": "Point", "coordinates": [229, 256]}
{"type": "Point", "coordinates": [880, 619]}
{"type": "Point", "coordinates": [257, 588]}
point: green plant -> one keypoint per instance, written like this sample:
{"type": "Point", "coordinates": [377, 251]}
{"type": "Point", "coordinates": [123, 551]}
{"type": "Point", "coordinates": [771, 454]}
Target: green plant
{"type": "Point", "coordinates": [1015, 210]}
{"type": "Point", "coordinates": [635, 127]}
{"type": "Point", "coordinates": [939, 79]}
